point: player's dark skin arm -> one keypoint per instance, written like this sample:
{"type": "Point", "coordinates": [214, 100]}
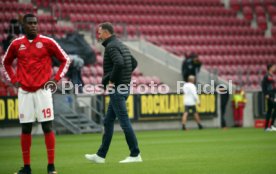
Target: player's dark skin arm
{"type": "Point", "coordinates": [17, 85]}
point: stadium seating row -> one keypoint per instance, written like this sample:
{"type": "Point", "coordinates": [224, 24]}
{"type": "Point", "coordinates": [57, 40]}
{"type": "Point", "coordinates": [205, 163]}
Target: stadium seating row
{"type": "Point", "coordinates": [54, 29]}
{"type": "Point", "coordinates": [262, 10]}
{"type": "Point", "coordinates": [209, 3]}
{"type": "Point", "coordinates": [241, 69]}
{"type": "Point", "coordinates": [179, 31]}
{"type": "Point", "coordinates": [6, 16]}
{"type": "Point", "coordinates": [9, 6]}
{"type": "Point", "coordinates": [159, 20]}
{"type": "Point", "coordinates": [216, 40]}
{"type": "Point", "coordinates": [229, 60]}
{"type": "Point", "coordinates": [201, 26]}
{"type": "Point", "coordinates": [47, 23]}
{"type": "Point", "coordinates": [236, 5]}
{"type": "Point", "coordinates": [223, 50]}
{"type": "Point", "coordinates": [66, 9]}
{"type": "Point", "coordinates": [252, 82]}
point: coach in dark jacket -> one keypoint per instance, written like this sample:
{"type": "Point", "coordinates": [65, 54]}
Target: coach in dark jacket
{"type": "Point", "coordinates": [118, 66]}
{"type": "Point", "coordinates": [118, 62]}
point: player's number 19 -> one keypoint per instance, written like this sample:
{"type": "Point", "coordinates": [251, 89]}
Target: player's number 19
{"type": "Point", "coordinates": [47, 112]}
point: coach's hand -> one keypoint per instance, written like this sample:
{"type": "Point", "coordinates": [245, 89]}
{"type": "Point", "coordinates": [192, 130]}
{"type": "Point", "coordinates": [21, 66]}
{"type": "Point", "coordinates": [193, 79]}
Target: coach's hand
{"type": "Point", "coordinates": [110, 85]}
{"type": "Point", "coordinates": [17, 85]}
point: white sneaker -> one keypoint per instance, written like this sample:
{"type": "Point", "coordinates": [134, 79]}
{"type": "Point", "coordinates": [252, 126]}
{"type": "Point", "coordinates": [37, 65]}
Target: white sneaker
{"type": "Point", "coordinates": [131, 159]}
{"type": "Point", "coordinates": [94, 158]}
{"type": "Point", "coordinates": [273, 128]}
{"type": "Point", "coordinates": [268, 130]}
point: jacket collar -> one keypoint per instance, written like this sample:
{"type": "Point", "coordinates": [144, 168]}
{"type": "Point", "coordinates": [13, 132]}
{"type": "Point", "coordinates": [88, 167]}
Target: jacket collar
{"type": "Point", "coordinates": [111, 38]}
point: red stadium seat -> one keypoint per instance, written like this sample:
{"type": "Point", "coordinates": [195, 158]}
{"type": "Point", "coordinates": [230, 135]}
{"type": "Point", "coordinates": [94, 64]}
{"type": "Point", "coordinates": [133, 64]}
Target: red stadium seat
{"type": "Point", "coordinates": [3, 91]}
{"type": "Point", "coordinates": [134, 80]}
{"type": "Point", "coordinates": [99, 80]}
{"type": "Point", "coordinates": [99, 70]}
{"type": "Point", "coordinates": [92, 80]}
{"type": "Point", "coordinates": [271, 11]}
{"type": "Point", "coordinates": [136, 72]}
{"type": "Point", "coordinates": [93, 70]}
{"type": "Point", "coordinates": [246, 3]}
{"type": "Point", "coordinates": [99, 59]}
{"type": "Point", "coordinates": [85, 80]}
{"type": "Point", "coordinates": [11, 91]}
{"type": "Point", "coordinates": [256, 3]}
{"type": "Point", "coordinates": [247, 12]}
{"type": "Point", "coordinates": [273, 20]}
{"type": "Point", "coordinates": [235, 5]}
{"type": "Point", "coordinates": [273, 30]}
{"type": "Point", "coordinates": [142, 80]}
{"type": "Point", "coordinates": [260, 11]}
{"type": "Point", "coordinates": [86, 71]}
{"type": "Point", "coordinates": [262, 22]}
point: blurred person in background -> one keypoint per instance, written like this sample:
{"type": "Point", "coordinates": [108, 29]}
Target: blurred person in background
{"type": "Point", "coordinates": [269, 91]}
{"type": "Point", "coordinates": [224, 97]}
{"type": "Point", "coordinates": [238, 105]}
{"type": "Point", "coordinates": [190, 66]}
{"type": "Point", "coordinates": [6, 42]}
{"type": "Point", "coordinates": [14, 30]}
{"type": "Point", "coordinates": [74, 71]}
{"type": "Point", "coordinates": [191, 100]}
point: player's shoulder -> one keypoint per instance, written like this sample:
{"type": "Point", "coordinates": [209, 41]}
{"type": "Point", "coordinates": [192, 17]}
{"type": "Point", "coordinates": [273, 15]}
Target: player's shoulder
{"type": "Point", "coordinates": [190, 85]}
{"type": "Point", "coordinates": [17, 40]}
{"type": "Point", "coordinates": [46, 38]}
{"type": "Point", "coordinates": [187, 85]}
{"type": "Point", "coordinates": [49, 42]}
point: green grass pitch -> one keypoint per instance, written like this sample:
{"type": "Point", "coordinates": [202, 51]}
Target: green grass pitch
{"type": "Point", "coordinates": [169, 152]}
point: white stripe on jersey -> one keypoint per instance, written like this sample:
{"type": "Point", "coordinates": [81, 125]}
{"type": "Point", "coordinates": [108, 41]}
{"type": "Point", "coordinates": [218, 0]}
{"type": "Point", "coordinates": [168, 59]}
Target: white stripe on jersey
{"type": "Point", "coordinates": [5, 55]}
{"type": "Point", "coordinates": [65, 69]}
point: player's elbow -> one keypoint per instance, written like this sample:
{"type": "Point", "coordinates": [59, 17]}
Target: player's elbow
{"type": "Point", "coordinates": [5, 62]}
{"type": "Point", "coordinates": [68, 61]}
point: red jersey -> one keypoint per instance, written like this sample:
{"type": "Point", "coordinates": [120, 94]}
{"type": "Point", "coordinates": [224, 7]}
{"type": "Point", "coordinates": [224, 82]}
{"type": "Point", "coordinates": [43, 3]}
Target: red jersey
{"type": "Point", "coordinates": [34, 63]}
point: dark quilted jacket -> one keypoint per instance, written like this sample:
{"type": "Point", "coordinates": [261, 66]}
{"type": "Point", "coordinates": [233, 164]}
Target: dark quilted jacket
{"type": "Point", "coordinates": [118, 62]}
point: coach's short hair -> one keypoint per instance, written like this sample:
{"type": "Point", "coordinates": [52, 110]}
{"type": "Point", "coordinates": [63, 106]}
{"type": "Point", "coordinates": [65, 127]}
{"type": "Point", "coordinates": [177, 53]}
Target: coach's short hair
{"type": "Point", "coordinates": [107, 26]}
{"type": "Point", "coordinates": [27, 16]}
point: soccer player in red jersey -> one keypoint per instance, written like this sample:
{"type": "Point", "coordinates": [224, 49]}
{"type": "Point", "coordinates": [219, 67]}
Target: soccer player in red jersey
{"type": "Point", "coordinates": [34, 68]}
